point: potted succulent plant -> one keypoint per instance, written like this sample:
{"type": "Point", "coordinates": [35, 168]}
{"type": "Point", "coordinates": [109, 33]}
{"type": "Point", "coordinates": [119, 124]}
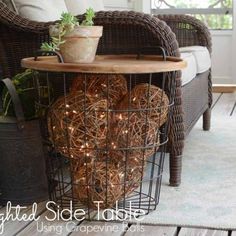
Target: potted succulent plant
{"type": "Point", "coordinates": [76, 42]}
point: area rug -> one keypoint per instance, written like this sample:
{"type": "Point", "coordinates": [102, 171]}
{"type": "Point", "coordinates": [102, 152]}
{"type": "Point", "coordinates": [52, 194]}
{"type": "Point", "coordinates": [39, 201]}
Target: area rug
{"type": "Point", "coordinates": [207, 195]}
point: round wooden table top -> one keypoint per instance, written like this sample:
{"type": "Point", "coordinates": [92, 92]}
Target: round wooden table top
{"type": "Point", "coordinates": [108, 64]}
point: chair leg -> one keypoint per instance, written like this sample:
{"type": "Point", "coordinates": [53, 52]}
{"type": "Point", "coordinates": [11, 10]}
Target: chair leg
{"type": "Point", "coordinates": [176, 136]}
{"type": "Point", "coordinates": [207, 120]}
{"type": "Point", "coordinates": [175, 170]}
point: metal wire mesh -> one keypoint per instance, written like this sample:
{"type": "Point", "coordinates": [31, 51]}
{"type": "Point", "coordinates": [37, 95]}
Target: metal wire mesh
{"type": "Point", "coordinates": [103, 148]}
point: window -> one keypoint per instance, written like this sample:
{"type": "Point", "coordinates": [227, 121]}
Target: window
{"type": "Point", "coordinates": [217, 14]}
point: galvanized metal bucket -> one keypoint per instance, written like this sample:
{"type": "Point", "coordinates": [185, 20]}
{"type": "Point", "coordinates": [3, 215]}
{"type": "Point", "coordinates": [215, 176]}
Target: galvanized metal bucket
{"type": "Point", "coordinates": [22, 160]}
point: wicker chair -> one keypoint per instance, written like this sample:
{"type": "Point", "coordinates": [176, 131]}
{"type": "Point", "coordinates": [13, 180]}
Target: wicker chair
{"type": "Point", "coordinates": [124, 32]}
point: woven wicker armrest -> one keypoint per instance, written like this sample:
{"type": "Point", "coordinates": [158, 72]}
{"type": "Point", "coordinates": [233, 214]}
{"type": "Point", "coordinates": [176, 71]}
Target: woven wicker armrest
{"type": "Point", "coordinates": [189, 31]}
{"type": "Point", "coordinates": [132, 30]}
{"type": "Point", "coordinates": [8, 17]}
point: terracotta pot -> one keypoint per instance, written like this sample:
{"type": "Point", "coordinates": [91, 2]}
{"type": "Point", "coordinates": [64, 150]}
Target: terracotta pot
{"type": "Point", "coordinates": [81, 44]}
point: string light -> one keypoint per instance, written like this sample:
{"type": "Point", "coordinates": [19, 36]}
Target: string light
{"type": "Point", "coordinates": [122, 175]}
{"type": "Point", "coordinates": [116, 167]}
{"type": "Point", "coordinates": [113, 145]}
{"type": "Point", "coordinates": [102, 115]}
{"type": "Point", "coordinates": [71, 128]}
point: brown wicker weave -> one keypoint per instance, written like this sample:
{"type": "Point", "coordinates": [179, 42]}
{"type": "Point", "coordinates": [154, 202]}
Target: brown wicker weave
{"type": "Point", "coordinates": [124, 32]}
{"type": "Point", "coordinates": [196, 95]}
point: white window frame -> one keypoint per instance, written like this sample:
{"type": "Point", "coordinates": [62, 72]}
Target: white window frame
{"type": "Point", "coordinates": [193, 11]}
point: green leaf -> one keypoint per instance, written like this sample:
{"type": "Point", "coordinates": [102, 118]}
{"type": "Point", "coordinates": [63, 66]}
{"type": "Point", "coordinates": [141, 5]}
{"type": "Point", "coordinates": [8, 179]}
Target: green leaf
{"type": "Point", "coordinates": [24, 84]}
{"type": "Point", "coordinates": [68, 19]}
{"type": "Point", "coordinates": [89, 15]}
{"type": "Point", "coordinates": [48, 46]}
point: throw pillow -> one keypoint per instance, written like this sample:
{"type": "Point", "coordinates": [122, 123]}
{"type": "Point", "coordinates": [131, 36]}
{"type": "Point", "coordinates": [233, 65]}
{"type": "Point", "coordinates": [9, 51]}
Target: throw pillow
{"type": "Point", "coordinates": [40, 10]}
{"type": "Point", "coordinates": [78, 7]}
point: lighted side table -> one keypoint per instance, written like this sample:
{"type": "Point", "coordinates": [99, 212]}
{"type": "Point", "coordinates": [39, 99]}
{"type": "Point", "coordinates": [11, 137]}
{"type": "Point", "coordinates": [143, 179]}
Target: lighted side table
{"type": "Point", "coordinates": [103, 146]}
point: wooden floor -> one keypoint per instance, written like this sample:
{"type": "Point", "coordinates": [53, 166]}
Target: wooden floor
{"type": "Point", "coordinates": [223, 104]}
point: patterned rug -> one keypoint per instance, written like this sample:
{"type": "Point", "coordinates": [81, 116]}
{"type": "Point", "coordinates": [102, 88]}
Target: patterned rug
{"type": "Point", "coordinates": [207, 195]}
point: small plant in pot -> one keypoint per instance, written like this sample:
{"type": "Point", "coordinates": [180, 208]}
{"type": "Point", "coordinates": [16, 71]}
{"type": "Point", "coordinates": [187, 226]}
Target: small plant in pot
{"type": "Point", "coordinates": [76, 42]}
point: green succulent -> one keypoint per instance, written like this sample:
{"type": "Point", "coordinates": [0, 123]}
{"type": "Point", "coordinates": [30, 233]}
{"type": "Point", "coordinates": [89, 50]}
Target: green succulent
{"type": "Point", "coordinates": [89, 15]}
{"type": "Point", "coordinates": [52, 46]}
{"type": "Point", "coordinates": [68, 19]}
{"type": "Point", "coordinates": [67, 24]}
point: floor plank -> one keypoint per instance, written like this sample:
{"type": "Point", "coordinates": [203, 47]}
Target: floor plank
{"type": "Point", "coordinates": [225, 104]}
{"type": "Point", "coordinates": [146, 230]}
{"type": "Point", "coordinates": [12, 227]}
{"type": "Point", "coordinates": [49, 228]}
{"type": "Point", "coordinates": [100, 229]}
{"type": "Point", "coordinates": [201, 232]}
{"type": "Point", "coordinates": [215, 98]}
{"type": "Point", "coordinates": [233, 112]}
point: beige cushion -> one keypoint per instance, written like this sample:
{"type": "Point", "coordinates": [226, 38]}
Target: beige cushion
{"type": "Point", "coordinates": [190, 72]}
{"type": "Point", "coordinates": [40, 10]}
{"type": "Point", "coordinates": [50, 10]}
{"type": "Point", "coordinates": [78, 7]}
{"type": "Point", "coordinates": [198, 61]}
{"type": "Point", "coordinates": [201, 55]}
